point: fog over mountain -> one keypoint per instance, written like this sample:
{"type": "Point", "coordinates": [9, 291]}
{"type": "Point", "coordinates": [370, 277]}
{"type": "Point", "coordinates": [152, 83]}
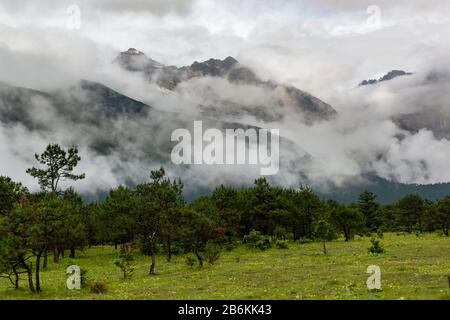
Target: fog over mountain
{"type": "Point", "coordinates": [288, 65]}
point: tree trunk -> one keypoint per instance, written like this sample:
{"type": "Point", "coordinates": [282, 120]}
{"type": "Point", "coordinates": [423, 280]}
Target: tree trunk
{"type": "Point", "coordinates": [346, 234]}
{"type": "Point", "coordinates": [169, 248]}
{"type": "Point", "coordinates": [324, 248]}
{"type": "Point", "coordinates": [200, 259]}
{"type": "Point", "coordinates": [153, 263]}
{"type": "Point", "coordinates": [55, 255]}
{"type": "Point", "coordinates": [115, 245]}
{"type": "Point", "coordinates": [16, 278]}
{"type": "Point", "coordinates": [16, 282]}
{"type": "Point", "coordinates": [29, 269]}
{"type": "Point", "coordinates": [37, 271]}
{"type": "Point", "coordinates": [294, 232]}
{"type": "Point", "coordinates": [44, 264]}
{"type": "Point", "coordinates": [72, 252]}
{"type": "Point", "coordinates": [152, 253]}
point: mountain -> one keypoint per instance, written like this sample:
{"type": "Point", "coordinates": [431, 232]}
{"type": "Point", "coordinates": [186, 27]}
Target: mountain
{"type": "Point", "coordinates": [125, 138]}
{"type": "Point", "coordinates": [388, 76]}
{"type": "Point", "coordinates": [129, 137]}
{"type": "Point", "coordinates": [284, 99]}
{"type": "Point", "coordinates": [430, 109]}
{"type": "Point", "coordinates": [387, 191]}
{"type": "Point", "coordinates": [436, 121]}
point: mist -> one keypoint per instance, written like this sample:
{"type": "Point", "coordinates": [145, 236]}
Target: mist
{"type": "Point", "coordinates": [325, 48]}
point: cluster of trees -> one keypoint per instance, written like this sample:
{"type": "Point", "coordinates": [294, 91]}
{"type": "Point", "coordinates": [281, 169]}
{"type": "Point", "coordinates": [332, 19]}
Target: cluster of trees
{"type": "Point", "coordinates": [155, 216]}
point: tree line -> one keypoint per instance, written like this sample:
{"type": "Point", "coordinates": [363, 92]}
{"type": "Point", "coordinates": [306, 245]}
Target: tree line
{"type": "Point", "coordinates": [154, 217]}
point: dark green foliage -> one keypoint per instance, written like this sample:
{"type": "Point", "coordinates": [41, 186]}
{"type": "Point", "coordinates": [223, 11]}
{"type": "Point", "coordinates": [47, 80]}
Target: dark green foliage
{"type": "Point", "coordinates": [347, 219]}
{"type": "Point", "coordinates": [282, 244]}
{"type": "Point", "coordinates": [410, 212]}
{"type": "Point", "coordinates": [324, 232]}
{"type": "Point", "coordinates": [190, 261]}
{"type": "Point", "coordinates": [280, 233]}
{"type": "Point", "coordinates": [199, 226]}
{"type": "Point", "coordinates": [33, 228]}
{"type": "Point", "coordinates": [75, 237]}
{"type": "Point", "coordinates": [253, 237]}
{"type": "Point", "coordinates": [259, 203]}
{"type": "Point", "coordinates": [380, 234]}
{"type": "Point", "coordinates": [83, 277]}
{"type": "Point", "coordinates": [159, 204]}
{"type": "Point", "coordinates": [442, 217]}
{"type": "Point", "coordinates": [10, 194]}
{"type": "Point", "coordinates": [58, 166]}
{"type": "Point", "coordinates": [306, 208]}
{"type": "Point", "coordinates": [376, 246]}
{"type": "Point", "coordinates": [304, 240]}
{"type": "Point", "coordinates": [212, 252]}
{"type": "Point", "coordinates": [368, 206]}
{"type": "Point", "coordinates": [257, 240]}
{"type": "Point", "coordinates": [125, 261]}
{"type": "Point", "coordinates": [263, 244]}
{"type": "Point", "coordinates": [118, 216]}
{"type": "Point", "coordinates": [226, 203]}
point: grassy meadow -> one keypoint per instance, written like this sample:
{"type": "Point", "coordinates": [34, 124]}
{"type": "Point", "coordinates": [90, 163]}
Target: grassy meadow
{"type": "Point", "coordinates": [412, 268]}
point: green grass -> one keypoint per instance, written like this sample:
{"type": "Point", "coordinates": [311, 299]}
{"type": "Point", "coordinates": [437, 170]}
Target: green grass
{"type": "Point", "coordinates": [412, 268]}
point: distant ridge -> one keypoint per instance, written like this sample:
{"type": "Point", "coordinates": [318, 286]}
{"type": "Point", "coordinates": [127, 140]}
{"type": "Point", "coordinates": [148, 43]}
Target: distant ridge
{"type": "Point", "coordinates": [169, 77]}
{"type": "Point", "coordinates": [388, 76]}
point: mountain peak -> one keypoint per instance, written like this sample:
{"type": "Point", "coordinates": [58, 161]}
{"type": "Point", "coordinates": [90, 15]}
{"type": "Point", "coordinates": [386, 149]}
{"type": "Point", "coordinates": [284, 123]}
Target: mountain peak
{"type": "Point", "coordinates": [393, 74]}
{"type": "Point", "coordinates": [136, 60]}
{"type": "Point", "coordinates": [388, 76]}
{"type": "Point", "coordinates": [214, 67]}
{"type": "Point", "coordinates": [133, 51]}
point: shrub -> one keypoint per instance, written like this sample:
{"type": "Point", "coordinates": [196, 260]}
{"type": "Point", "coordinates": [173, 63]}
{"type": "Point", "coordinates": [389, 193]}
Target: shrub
{"type": "Point", "coordinates": [212, 252]}
{"type": "Point", "coordinates": [380, 234]}
{"type": "Point", "coordinates": [263, 244]}
{"type": "Point", "coordinates": [230, 245]}
{"type": "Point", "coordinates": [99, 287]}
{"type": "Point", "coordinates": [376, 246]}
{"type": "Point", "coordinates": [190, 261]}
{"type": "Point", "coordinates": [282, 244]}
{"type": "Point", "coordinates": [304, 240]}
{"type": "Point", "coordinates": [253, 237]}
{"type": "Point", "coordinates": [280, 233]}
{"type": "Point", "coordinates": [125, 261]}
{"type": "Point", "coordinates": [257, 240]}
{"type": "Point", "coordinates": [145, 247]}
{"type": "Point", "coordinates": [83, 276]}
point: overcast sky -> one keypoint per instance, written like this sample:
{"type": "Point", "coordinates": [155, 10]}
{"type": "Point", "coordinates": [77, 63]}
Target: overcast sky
{"type": "Point", "coordinates": [317, 45]}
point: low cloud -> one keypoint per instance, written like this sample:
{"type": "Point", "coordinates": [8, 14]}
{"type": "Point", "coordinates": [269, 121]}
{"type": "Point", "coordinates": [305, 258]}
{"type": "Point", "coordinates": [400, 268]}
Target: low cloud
{"type": "Point", "coordinates": [321, 47]}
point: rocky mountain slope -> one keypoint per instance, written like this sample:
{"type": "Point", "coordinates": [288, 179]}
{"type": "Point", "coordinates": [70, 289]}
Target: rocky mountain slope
{"type": "Point", "coordinates": [130, 136]}
{"type": "Point", "coordinates": [283, 99]}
